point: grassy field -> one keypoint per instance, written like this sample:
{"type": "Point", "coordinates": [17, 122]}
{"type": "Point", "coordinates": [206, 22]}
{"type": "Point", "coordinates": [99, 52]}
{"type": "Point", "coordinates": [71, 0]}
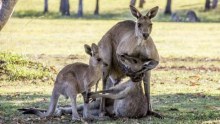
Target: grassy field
{"type": "Point", "coordinates": [185, 86]}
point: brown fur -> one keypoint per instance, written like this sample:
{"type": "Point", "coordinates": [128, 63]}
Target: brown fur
{"type": "Point", "coordinates": [129, 39]}
{"type": "Point", "coordinates": [71, 80]}
{"type": "Point", "coordinates": [130, 100]}
{"type": "Point", "coordinates": [123, 100]}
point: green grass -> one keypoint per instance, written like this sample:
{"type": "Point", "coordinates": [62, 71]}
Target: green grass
{"type": "Point", "coordinates": [15, 67]}
{"type": "Point", "coordinates": [53, 37]}
{"type": "Point", "coordinates": [184, 87]}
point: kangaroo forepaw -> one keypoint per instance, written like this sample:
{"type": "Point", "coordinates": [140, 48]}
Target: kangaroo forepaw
{"type": "Point", "coordinates": [155, 114]}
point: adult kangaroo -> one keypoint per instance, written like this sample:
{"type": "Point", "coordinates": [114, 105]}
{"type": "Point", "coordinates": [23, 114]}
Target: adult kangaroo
{"type": "Point", "coordinates": [128, 49]}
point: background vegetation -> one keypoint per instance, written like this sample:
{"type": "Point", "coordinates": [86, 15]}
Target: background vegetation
{"type": "Point", "coordinates": [35, 46]}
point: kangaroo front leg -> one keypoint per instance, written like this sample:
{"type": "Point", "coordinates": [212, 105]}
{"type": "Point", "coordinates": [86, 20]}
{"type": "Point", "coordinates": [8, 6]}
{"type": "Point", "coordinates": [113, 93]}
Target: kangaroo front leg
{"type": "Point", "coordinates": [117, 96]}
{"type": "Point", "coordinates": [114, 90]}
{"type": "Point", "coordinates": [146, 81]}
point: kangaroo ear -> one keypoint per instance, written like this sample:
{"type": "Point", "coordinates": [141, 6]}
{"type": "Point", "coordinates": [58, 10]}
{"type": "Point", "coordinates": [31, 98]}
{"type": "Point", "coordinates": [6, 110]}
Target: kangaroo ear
{"type": "Point", "coordinates": [88, 49]}
{"type": "Point", "coordinates": [152, 12]}
{"type": "Point", "coordinates": [95, 48]}
{"type": "Point", "coordinates": [135, 12]}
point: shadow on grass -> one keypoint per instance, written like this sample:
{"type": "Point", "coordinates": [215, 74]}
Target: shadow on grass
{"type": "Point", "coordinates": [209, 16]}
{"type": "Point", "coordinates": [177, 108]}
{"type": "Point", "coordinates": [57, 15]}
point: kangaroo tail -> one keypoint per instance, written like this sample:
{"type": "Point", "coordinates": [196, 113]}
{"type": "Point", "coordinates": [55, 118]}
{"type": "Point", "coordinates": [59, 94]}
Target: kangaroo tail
{"type": "Point", "coordinates": [42, 113]}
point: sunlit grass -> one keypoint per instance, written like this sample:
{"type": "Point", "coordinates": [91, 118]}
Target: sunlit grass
{"type": "Point", "coordinates": [68, 37]}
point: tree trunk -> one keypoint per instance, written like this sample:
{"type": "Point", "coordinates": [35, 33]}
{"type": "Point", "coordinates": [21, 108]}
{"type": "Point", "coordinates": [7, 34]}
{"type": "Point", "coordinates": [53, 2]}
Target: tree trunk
{"type": "Point", "coordinates": [168, 8]}
{"type": "Point", "coordinates": [96, 12]}
{"type": "Point", "coordinates": [80, 9]}
{"type": "Point", "coordinates": [6, 10]}
{"type": "Point", "coordinates": [141, 3]}
{"type": "Point", "coordinates": [133, 2]}
{"type": "Point", "coordinates": [45, 6]}
{"type": "Point", "coordinates": [0, 4]}
{"type": "Point", "coordinates": [207, 5]}
{"type": "Point", "coordinates": [65, 7]}
{"type": "Point", "coordinates": [214, 4]}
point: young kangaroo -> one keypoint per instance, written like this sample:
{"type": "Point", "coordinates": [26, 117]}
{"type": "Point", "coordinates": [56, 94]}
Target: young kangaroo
{"type": "Point", "coordinates": [133, 40]}
{"type": "Point", "coordinates": [71, 80]}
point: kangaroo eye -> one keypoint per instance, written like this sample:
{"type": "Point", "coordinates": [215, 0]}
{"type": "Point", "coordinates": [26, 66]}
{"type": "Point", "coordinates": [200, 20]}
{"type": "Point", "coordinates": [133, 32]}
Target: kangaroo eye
{"type": "Point", "coordinates": [139, 25]}
{"type": "Point", "coordinates": [99, 59]}
{"type": "Point", "coordinates": [135, 61]}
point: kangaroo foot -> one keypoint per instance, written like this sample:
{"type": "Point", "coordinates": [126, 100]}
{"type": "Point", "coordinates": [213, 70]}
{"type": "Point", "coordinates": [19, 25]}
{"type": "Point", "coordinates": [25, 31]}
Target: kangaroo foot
{"type": "Point", "coordinates": [155, 114]}
{"type": "Point", "coordinates": [76, 119]}
{"type": "Point", "coordinates": [104, 118]}
{"type": "Point", "coordinates": [102, 114]}
{"type": "Point", "coordinates": [90, 117]}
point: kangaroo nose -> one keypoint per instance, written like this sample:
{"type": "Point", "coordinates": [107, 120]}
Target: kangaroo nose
{"type": "Point", "coordinates": [99, 59]}
{"type": "Point", "coordinates": [145, 35]}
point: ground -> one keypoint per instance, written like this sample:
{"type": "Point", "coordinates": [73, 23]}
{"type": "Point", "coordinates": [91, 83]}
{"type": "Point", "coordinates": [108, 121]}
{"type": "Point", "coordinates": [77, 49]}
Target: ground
{"type": "Point", "coordinates": [185, 86]}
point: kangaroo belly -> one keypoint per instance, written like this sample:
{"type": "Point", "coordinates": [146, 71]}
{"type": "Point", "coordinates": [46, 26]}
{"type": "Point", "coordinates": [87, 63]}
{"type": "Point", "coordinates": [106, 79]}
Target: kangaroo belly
{"type": "Point", "coordinates": [132, 107]}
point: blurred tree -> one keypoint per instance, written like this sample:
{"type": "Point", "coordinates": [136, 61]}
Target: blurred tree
{"type": "Point", "coordinates": [207, 5]}
{"type": "Point", "coordinates": [133, 2]}
{"type": "Point", "coordinates": [96, 12]}
{"type": "Point", "coordinates": [80, 9]}
{"type": "Point", "coordinates": [0, 4]}
{"type": "Point", "coordinates": [214, 4]}
{"type": "Point", "coordinates": [6, 9]}
{"type": "Point", "coordinates": [168, 7]}
{"type": "Point", "coordinates": [65, 7]}
{"type": "Point", "coordinates": [45, 6]}
{"type": "Point", "coordinates": [141, 3]}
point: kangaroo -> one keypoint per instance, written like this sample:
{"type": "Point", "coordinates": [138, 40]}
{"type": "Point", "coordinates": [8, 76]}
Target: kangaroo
{"type": "Point", "coordinates": [129, 100]}
{"type": "Point", "coordinates": [124, 100]}
{"type": "Point", "coordinates": [71, 80]}
{"type": "Point", "coordinates": [129, 39]}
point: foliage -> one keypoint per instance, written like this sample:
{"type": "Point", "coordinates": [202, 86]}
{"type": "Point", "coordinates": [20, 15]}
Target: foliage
{"type": "Point", "coordinates": [15, 67]}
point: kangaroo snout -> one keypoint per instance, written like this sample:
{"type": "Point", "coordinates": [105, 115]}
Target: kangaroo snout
{"type": "Point", "coordinates": [99, 59]}
{"type": "Point", "coordinates": [145, 35]}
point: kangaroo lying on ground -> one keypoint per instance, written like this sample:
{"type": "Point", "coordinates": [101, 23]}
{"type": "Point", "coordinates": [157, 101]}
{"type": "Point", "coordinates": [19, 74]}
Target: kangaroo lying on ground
{"type": "Point", "coordinates": [130, 100]}
{"type": "Point", "coordinates": [123, 100]}
{"type": "Point", "coordinates": [71, 80]}
{"type": "Point", "coordinates": [129, 39]}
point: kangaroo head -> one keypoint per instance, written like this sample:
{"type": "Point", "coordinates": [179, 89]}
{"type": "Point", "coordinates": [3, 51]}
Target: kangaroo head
{"type": "Point", "coordinates": [136, 67]}
{"type": "Point", "coordinates": [94, 54]}
{"type": "Point", "coordinates": [143, 25]}
{"type": "Point", "coordinates": [130, 65]}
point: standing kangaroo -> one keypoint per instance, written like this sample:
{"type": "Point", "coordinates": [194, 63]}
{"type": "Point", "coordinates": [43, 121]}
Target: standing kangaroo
{"type": "Point", "coordinates": [129, 39]}
{"type": "Point", "coordinates": [71, 80]}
